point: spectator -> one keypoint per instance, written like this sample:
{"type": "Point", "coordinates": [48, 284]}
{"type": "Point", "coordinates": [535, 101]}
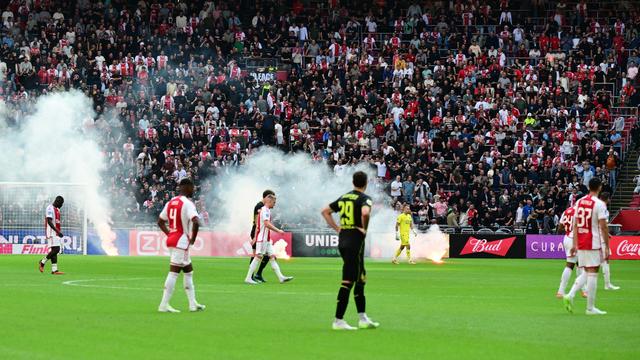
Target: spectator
{"type": "Point", "coordinates": [396, 188]}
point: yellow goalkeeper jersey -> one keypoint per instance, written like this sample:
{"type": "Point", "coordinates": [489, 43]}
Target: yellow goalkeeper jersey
{"type": "Point", "coordinates": [404, 223]}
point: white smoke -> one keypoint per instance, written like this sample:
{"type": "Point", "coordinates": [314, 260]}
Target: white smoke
{"type": "Point", "coordinates": [303, 188]}
{"type": "Point", "coordinates": [54, 143]}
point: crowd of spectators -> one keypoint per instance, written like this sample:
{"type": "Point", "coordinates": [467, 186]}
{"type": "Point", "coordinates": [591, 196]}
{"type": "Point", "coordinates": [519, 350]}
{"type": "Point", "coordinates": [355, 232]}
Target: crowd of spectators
{"type": "Point", "coordinates": [480, 113]}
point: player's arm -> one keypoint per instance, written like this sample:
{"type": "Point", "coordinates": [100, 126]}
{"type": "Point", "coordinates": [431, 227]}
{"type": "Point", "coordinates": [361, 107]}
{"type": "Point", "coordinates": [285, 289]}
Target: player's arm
{"type": "Point", "coordinates": [603, 220]}
{"type": "Point", "coordinates": [366, 215]}
{"type": "Point", "coordinates": [51, 225]}
{"type": "Point", "coordinates": [574, 245]}
{"type": "Point", "coordinates": [162, 220]}
{"type": "Point", "coordinates": [269, 225]}
{"type": "Point", "coordinates": [560, 227]}
{"type": "Point", "coordinates": [194, 229]}
{"type": "Point", "coordinates": [327, 215]}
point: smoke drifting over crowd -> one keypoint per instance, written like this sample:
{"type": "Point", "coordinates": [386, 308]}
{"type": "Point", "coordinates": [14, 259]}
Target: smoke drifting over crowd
{"type": "Point", "coordinates": [52, 142]}
{"type": "Point", "coordinates": [303, 188]}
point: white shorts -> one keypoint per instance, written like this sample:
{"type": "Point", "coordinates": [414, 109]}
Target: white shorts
{"type": "Point", "coordinates": [54, 241]}
{"type": "Point", "coordinates": [567, 242]}
{"type": "Point", "coordinates": [589, 258]}
{"type": "Point", "coordinates": [179, 257]}
{"type": "Point", "coordinates": [264, 248]}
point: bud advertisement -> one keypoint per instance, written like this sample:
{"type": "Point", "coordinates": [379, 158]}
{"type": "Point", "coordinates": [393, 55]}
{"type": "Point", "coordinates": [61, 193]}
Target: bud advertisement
{"type": "Point", "coordinates": [487, 246]}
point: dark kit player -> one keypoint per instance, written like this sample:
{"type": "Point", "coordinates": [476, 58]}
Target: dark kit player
{"type": "Point", "coordinates": [355, 209]}
{"type": "Point", "coordinates": [265, 260]}
{"type": "Point", "coordinates": [53, 235]}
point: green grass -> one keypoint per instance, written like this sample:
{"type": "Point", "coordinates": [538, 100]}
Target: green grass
{"type": "Point", "coordinates": [481, 309]}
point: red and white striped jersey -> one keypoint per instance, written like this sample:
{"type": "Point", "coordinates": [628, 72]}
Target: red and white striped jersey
{"type": "Point", "coordinates": [567, 221]}
{"type": "Point", "coordinates": [52, 213]}
{"type": "Point", "coordinates": [262, 232]}
{"type": "Point", "coordinates": [179, 212]}
{"type": "Point", "coordinates": [589, 211]}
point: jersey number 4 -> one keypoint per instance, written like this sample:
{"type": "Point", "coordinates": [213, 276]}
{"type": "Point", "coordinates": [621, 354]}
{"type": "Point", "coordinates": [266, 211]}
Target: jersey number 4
{"type": "Point", "coordinates": [173, 219]}
{"type": "Point", "coordinates": [583, 216]}
{"type": "Point", "coordinates": [346, 213]}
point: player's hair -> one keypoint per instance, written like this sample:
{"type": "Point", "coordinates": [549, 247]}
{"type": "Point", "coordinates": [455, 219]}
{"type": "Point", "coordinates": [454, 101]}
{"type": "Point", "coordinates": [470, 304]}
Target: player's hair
{"type": "Point", "coordinates": [185, 182]}
{"type": "Point", "coordinates": [360, 179]}
{"type": "Point", "coordinates": [267, 193]}
{"type": "Point", "coordinates": [59, 199]}
{"type": "Point", "coordinates": [594, 184]}
{"type": "Point", "coordinates": [605, 196]}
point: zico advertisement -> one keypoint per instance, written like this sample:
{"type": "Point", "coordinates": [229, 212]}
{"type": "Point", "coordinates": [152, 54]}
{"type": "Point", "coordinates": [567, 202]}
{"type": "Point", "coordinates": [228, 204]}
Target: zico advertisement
{"type": "Point", "coordinates": [625, 248]}
{"type": "Point", "coordinates": [487, 246]}
{"type": "Point", "coordinates": [545, 247]}
{"type": "Point", "coordinates": [208, 243]}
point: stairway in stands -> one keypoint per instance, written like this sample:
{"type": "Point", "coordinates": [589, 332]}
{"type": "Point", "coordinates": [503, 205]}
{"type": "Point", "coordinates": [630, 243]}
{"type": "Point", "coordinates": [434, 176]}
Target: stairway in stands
{"type": "Point", "coordinates": [623, 195]}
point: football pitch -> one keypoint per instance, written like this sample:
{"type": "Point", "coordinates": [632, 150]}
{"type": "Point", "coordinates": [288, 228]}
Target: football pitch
{"type": "Point", "coordinates": [105, 307]}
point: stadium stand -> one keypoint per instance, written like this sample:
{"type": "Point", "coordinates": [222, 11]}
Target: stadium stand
{"type": "Point", "coordinates": [487, 114]}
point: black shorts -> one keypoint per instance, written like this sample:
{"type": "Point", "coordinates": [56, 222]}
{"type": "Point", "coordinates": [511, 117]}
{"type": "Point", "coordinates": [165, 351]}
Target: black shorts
{"type": "Point", "coordinates": [351, 246]}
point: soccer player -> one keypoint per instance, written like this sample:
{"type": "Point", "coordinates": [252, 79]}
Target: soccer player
{"type": "Point", "coordinates": [264, 247]}
{"type": "Point", "coordinates": [53, 235]}
{"type": "Point", "coordinates": [404, 224]}
{"type": "Point", "coordinates": [355, 209]}
{"type": "Point", "coordinates": [589, 232]}
{"type": "Point", "coordinates": [606, 270]}
{"type": "Point", "coordinates": [181, 233]}
{"type": "Point", "coordinates": [265, 260]}
{"type": "Point", "coordinates": [566, 225]}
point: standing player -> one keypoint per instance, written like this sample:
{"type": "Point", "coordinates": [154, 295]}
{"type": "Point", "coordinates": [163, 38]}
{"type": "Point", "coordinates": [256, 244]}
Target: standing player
{"type": "Point", "coordinates": [404, 225]}
{"type": "Point", "coordinates": [264, 247]}
{"type": "Point", "coordinates": [606, 271]}
{"type": "Point", "coordinates": [265, 260]}
{"type": "Point", "coordinates": [566, 225]}
{"type": "Point", "coordinates": [53, 235]}
{"type": "Point", "coordinates": [589, 232]}
{"type": "Point", "coordinates": [181, 233]}
{"type": "Point", "coordinates": [355, 209]}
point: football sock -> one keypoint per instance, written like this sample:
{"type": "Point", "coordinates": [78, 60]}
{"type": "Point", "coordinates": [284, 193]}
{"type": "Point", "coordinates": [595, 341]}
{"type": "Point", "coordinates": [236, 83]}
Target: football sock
{"type": "Point", "coordinates": [408, 254]}
{"type": "Point", "coordinates": [358, 296]}
{"type": "Point", "coordinates": [343, 300]}
{"type": "Point", "coordinates": [169, 285]}
{"type": "Point", "coordinates": [592, 286]}
{"type": "Point", "coordinates": [54, 267]}
{"type": "Point", "coordinates": [564, 279]}
{"type": "Point", "coordinates": [363, 316]}
{"type": "Point", "coordinates": [44, 260]}
{"type": "Point", "coordinates": [252, 267]}
{"type": "Point", "coordinates": [606, 271]}
{"type": "Point", "coordinates": [250, 260]}
{"type": "Point", "coordinates": [580, 271]}
{"type": "Point", "coordinates": [276, 269]}
{"type": "Point", "coordinates": [190, 289]}
{"type": "Point", "coordinates": [580, 281]}
{"type": "Point", "coordinates": [263, 264]}
{"type": "Point", "coordinates": [398, 252]}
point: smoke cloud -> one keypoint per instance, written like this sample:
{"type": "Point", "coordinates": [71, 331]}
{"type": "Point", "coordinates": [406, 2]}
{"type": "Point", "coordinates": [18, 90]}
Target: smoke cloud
{"type": "Point", "coordinates": [53, 142]}
{"type": "Point", "coordinates": [303, 189]}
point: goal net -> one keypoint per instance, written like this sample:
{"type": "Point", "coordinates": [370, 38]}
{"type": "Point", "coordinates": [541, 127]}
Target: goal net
{"type": "Point", "coordinates": [22, 217]}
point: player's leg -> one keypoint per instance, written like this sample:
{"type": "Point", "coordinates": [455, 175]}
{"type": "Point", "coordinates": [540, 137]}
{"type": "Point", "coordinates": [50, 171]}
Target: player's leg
{"type": "Point", "coordinates": [275, 266]}
{"type": "Point", "coordinates": [583, 290]}
{"type": "Point", "coordinates": [190, 289]}
{"type": "Point", "coordinates": [408, 247]}
{"type": "Point", "coordinates": [263, 264]}
{"type": "Point", "coordinates": [349, 275]}
{"type": "Point", "coordinates": [169, 286]}
{"type": "Point", "coordinates": [255, 263]}
{"type": "Point", "coordinates": [53, 252]}
{"type": "Point", "coordinates": [564, 278]}
{"type": "Point", "coordinates": [581, 280]}
{"type": "Point", "coordinates": [606, 271]}
{"type": "Point", "coordinates": [358, 294]}
{"type": "Point", "coordinates": [398, 252]}
{"type": "Point", "coordinates": [592, 287]}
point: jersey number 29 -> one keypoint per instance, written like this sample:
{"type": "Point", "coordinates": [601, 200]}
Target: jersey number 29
{"type": "Point", "coordinates": [346, 213]}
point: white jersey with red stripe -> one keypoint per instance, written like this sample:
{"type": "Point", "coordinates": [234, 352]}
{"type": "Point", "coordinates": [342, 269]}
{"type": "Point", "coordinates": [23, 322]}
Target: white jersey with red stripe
{"type": "Point", "coordinates": [179, 212]}
{"type": "Point", "coordinates": [262, 232]}
{"type": "Point", "coordinates": [567, 221]}
{"type": "Point", "coordinates": [589, 210]}
{"type": "Point", "coordinates": [52, 213]}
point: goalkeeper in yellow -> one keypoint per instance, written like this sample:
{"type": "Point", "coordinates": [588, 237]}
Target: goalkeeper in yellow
{"type": "Point", "coordinates": [404, 225]}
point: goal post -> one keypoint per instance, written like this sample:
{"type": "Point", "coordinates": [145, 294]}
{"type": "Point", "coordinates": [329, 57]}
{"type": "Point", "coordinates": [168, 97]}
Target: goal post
{"type": "Point", "coordinates": [22, 216]}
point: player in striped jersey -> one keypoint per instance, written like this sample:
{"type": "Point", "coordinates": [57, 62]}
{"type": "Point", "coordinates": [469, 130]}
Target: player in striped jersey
{"type": "Point", "coordinates": [53, 234]}
{"type": "Point", "coordinates": [181, 215]}
{"type": "Point", "coordinates": [590, 233]}
{"type": "Point", "coordinates": [264, 247]}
